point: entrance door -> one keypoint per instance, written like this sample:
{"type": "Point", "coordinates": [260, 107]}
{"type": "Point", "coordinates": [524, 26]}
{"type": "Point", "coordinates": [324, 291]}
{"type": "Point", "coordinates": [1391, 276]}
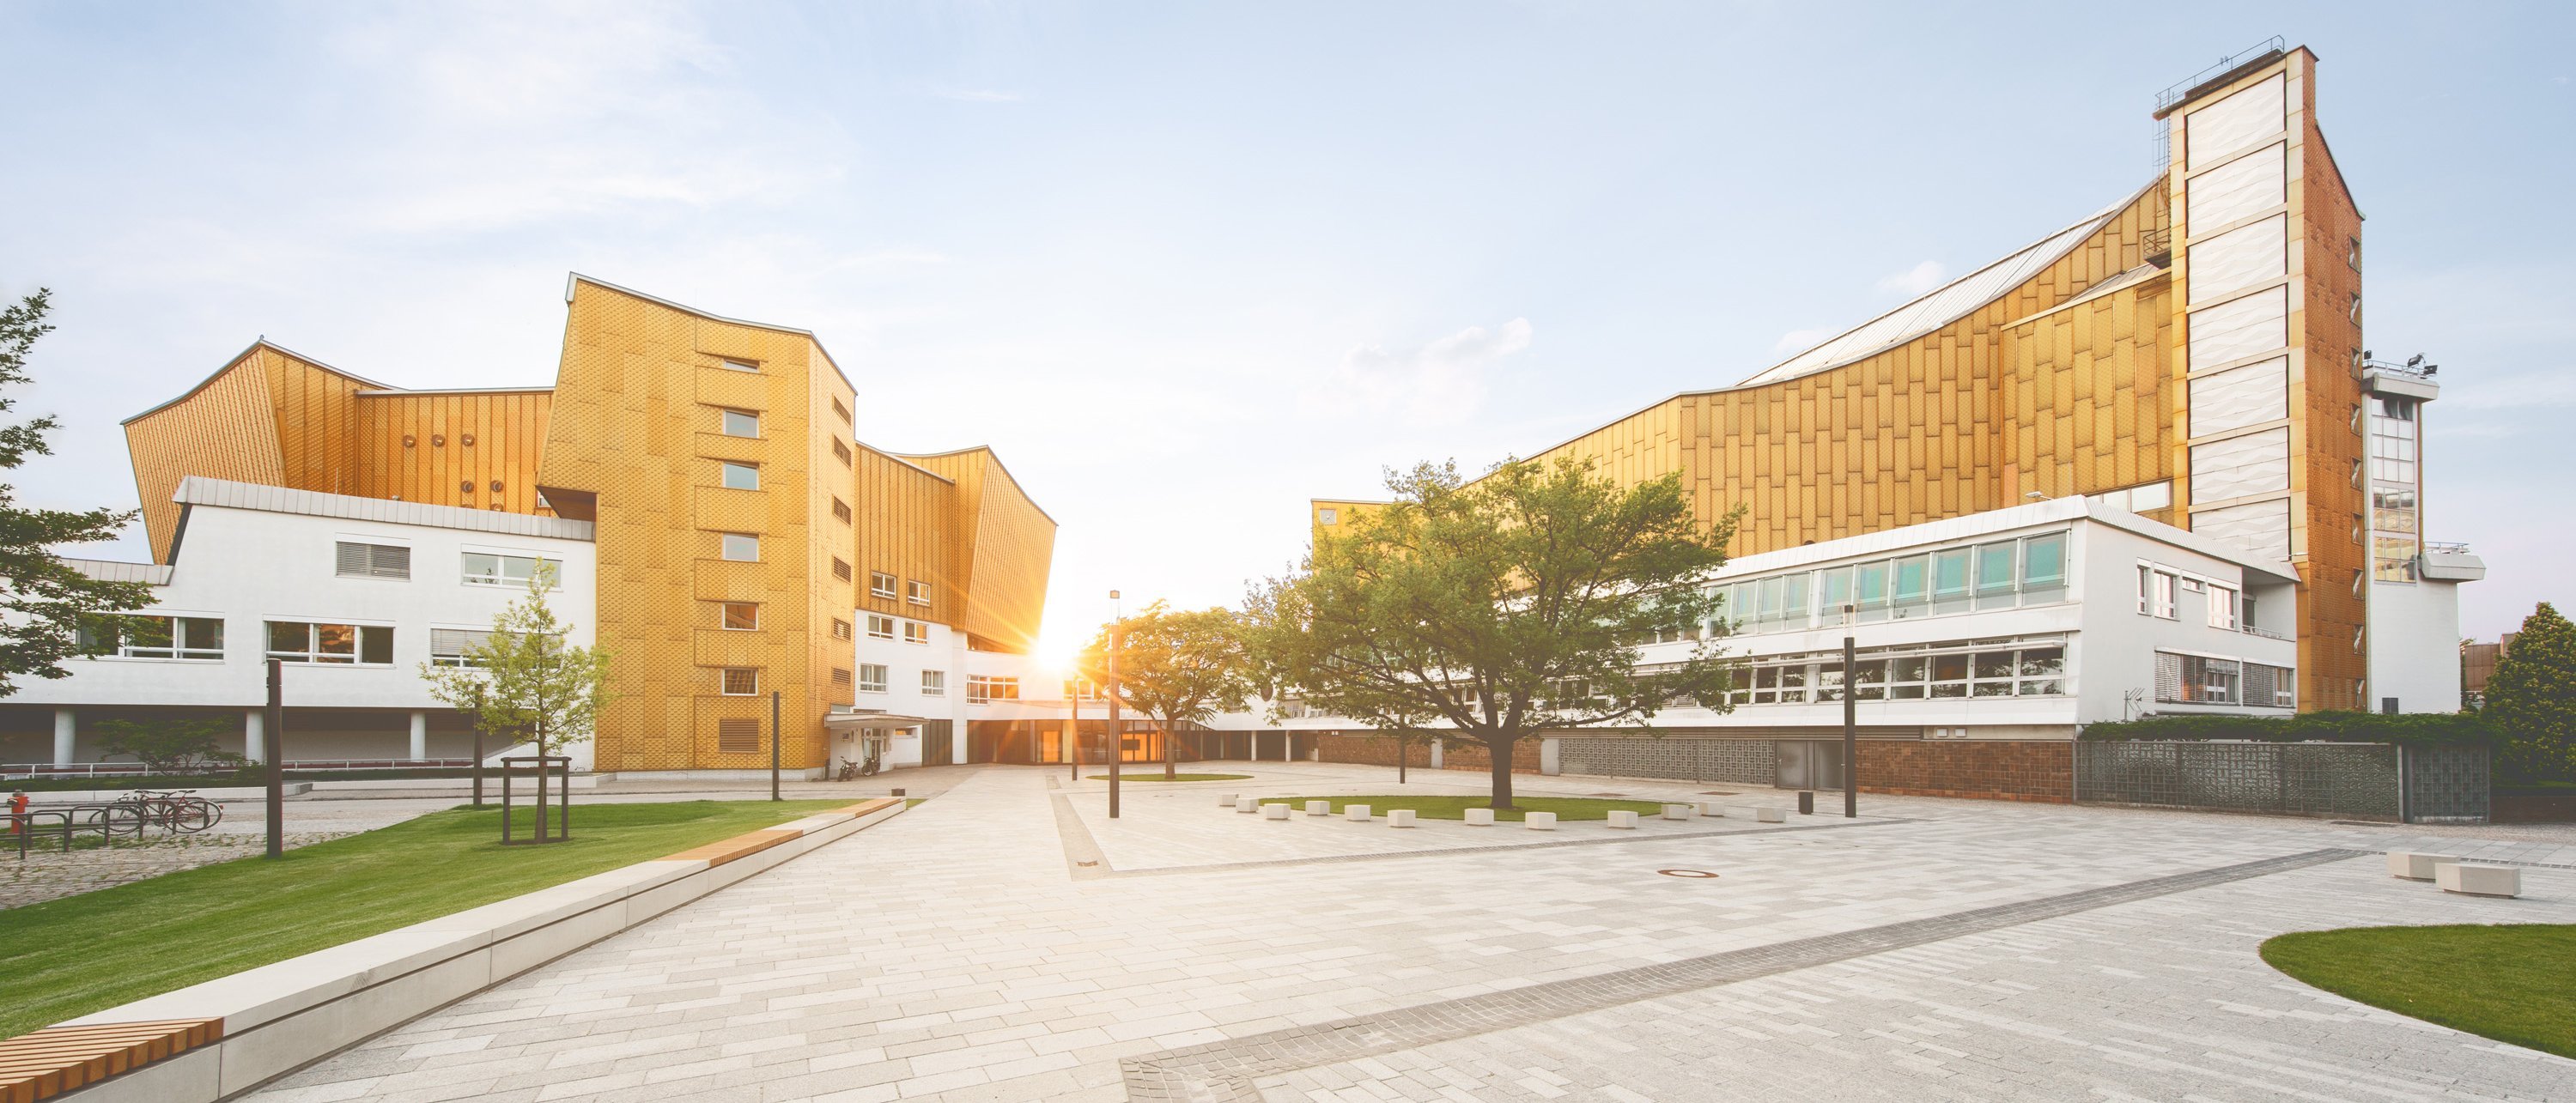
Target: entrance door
{"type": "Point", "coordinates": [1808, 763]}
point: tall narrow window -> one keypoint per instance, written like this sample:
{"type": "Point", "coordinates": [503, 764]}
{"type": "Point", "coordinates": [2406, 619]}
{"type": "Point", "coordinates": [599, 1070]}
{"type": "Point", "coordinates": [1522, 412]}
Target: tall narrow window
{"type": "Point", "coordinates": [840, 511]}
{"type": "Point", "coordinates": [2222, 608]}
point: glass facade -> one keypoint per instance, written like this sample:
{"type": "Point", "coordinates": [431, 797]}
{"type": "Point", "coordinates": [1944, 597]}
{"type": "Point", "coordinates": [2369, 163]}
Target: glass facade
{"type": "Point", "coordinates": [2001, 574]}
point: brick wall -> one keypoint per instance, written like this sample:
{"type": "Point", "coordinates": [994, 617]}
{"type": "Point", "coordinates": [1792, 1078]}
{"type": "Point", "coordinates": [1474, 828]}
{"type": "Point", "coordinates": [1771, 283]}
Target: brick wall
{"type": "Point", "coordinates": [1473, 756]}
{"type": "Point", "coordinates": [1982, 769]}
{"type": "Point", "coordinates": [1369, 750]}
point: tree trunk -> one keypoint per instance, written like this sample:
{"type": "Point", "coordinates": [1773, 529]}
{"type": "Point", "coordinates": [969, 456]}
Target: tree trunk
{"type": "Point", "coordinates": [1403, 757]}
{"type": "Point", "coordinates": [1168, 772]}
{"type": "Point", "coordinates": [1500, 751]}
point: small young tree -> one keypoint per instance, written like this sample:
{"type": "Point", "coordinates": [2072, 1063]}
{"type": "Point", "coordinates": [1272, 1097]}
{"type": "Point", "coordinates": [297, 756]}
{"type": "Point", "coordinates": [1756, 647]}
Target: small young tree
{"type": "Point", "coordinates": [1501, 609]}
{"type": "Point", "coordinates": [1176, 666]}
{"type": "Point", "coordinates": [46, 607]}
{"type": "Point", "coordinates": [170, 746]}
{"type": "Point", "coordinates": [2531, 699]}
{"type": "Point", "coordinates": [524, 679]}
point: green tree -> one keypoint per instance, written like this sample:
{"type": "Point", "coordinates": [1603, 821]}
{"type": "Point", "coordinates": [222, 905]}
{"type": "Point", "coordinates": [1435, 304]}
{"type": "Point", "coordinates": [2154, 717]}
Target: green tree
{"type": "Point", "coordinates": [49, 611]}
{"type": "Point", "coordinates": [1178, 666]}
{"type": "Point", "coordinates": [170, 746]}
{"type": "Point", "coordinates": [1502, 609]}
{"type": "Point", "coordinates": [523, 679]}
{"type": "Point", "coordinates": [2531, 699]}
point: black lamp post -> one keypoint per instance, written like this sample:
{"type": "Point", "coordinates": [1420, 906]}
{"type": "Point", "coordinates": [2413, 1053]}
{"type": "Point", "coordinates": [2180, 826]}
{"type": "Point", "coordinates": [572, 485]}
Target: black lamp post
{"type": "Point", "coordinates": [1117, 737]}
{"type": "Point", "coordinates": [1851, 719]}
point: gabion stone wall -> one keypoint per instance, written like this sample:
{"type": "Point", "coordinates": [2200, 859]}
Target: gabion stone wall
{"type": "Point", "coordinates": [1742, 761]}
{"type": "Point", "coordinates": [2349, 780]}
{"type": "Point", "coordinates": [2447, 785]}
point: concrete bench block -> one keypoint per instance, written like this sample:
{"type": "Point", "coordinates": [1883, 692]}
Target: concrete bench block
{"type": "Point", "coordinates": [1356, 813]}
{"type": "Point", "coordinates": [2477, 880]}
{"type": "Point", "coordinates": [1227, 801]}
{"type": "Point", "coordinates": [1274, 811]}
{"type": "Point", "coordinates": [1540, 821]}
{"type": "Point", "coordinates": [1319, 808]}
{"type": "Point", "coordinates": [1623, 818]}
{"type": "Point", "coordinates": [1247, 804]}
{"type": "Point", "coordinates": [2412, 866]}
{"type": "Point", "coordinates": [1771, 815]}
{"type": "Point", "coordinates": [1679, 811]}
{"type": "Point", "coordinates": [1480, 817]}
{"type": "Point", "coordinates": [1712, 809]}
{"type": "Point", "coordinates": [1400, 817]}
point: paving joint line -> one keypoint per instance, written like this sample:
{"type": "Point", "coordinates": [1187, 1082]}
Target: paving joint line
{"type": "Point", "coordinates": [1488, 848]}
{"type": "Point", "coordinates": [1217, 1072]}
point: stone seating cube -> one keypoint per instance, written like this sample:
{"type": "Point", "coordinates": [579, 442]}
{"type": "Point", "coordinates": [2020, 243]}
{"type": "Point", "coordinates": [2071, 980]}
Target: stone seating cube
{"type": "Point", "coordinates": [1623, 818]}
{"type": "Point", "coordinates": [1480, 817]}
{"type": "Point", "coordinates": [2412, 866]}
{"type": "Point", "coordinates": [1713, 809]}
{"type": "Point", "coordinates": [1274, 811]}
{"type": "Point", "coordinates": [1227, 801]}
{"type": "Point", "coordinates": [1319, 808]}
{"type": "Point", "coordinates": [2469, 879]}
{"type": "Point", "coordinates": [1400, 817]}
{"type": "Point", "coordinates": [1540, 821]}
{"type": "Point", "coordinates": [1357, 813]}
{"type": "Point", "coordinates": [1247, 804]}
{"type": "Point", "coordinates": [1678, 811]}
{"type": "Point", "coordinates": [1771, 815]}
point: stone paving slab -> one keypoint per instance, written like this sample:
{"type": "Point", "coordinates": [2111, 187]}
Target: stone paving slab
{"type": "Point", "coordinates": [953, 953]}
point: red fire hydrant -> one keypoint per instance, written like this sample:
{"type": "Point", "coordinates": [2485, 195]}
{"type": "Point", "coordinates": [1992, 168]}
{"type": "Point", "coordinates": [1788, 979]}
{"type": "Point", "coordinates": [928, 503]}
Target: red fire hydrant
{"type": "Point", "coordinates": [17, 812]}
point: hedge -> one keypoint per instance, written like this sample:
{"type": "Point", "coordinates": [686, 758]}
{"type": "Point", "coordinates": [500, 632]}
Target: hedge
{"type": "Point", "coordinates": [2420, 728]}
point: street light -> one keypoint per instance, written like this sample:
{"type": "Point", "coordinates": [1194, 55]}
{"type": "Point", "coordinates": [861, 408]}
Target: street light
{"type": "Point", "coordinates": [1117, 742]}
{"type": "Point", "coordinates": [1851, 719]}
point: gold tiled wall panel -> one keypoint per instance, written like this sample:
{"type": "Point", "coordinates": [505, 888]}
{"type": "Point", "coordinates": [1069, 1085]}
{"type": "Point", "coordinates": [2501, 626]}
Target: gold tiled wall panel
{"type": "Point", "coordinates": [317, 422]}
{"type": "Point", "coordinates": [902, 519]}
{"type": "Point", "coordinates": [227, 429]}
{"type": "Point", "coordinates": [450, 448]}
{"type": "Point", "coordinates": [1014, 544]}
{"type": "Point", "coordinates": [2083, 396]}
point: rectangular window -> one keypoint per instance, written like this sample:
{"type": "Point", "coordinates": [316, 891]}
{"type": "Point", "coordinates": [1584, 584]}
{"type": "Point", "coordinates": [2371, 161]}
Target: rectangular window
{"type": "Point", "coordinates": [981, 688]}
{"type": "Point", "coordinates": [1950, 581]}
{"type": "Point", "coordinates": [2222, 608]}
{"type": "Point", "coordinates": [872, 678]}
{"type": "Point", "coordinates": [741, 616]}
{"type": "Point", "coordinates": [158, 637]}
{"type": "Point", "coordinates": [1794, 601]}
{"type": "Point", "coordinates": [1833, 591]}
{"type": "Point", "coordinates": [2043, 569]}
{"type": "Point", "coordinates": [841, 452]}
{"type": "Point", "coordinates": [2155, 592]}
{"type": "Point", "coordinates": [1913, 585]}
{"type": "Point", "coordinates": [840, 629]}
{"type": "Point", "coordinates": [934, 683]}
{"type": "Point", "coordinates": [741, 547]}
{"type": "Point", "coordinates": [1905, 676]}
{"type": "Point", "coordinates": [880, 584]}
{"type": "Point", "coordinates": [737, 365]}
{"type": "Point", "coordinates": [455, 646]}
{"type": "Point", "coordinates": [1869, 590]}
{"type": "Point", "coordinates": [1949, 675]}
{"type": "Point", "coordinates": [741, 681]}
{"type": "Point", "coordinates": [880, 628]}
{"type": "Point", "coordinates": [2392, 439]}
{"type": "Point", "coordinates": [840, 411]}
{"type": "Point", "coordinates": [916, 592]}
{"type": "Point", "coordinates": [494, 569]}
{"type": "Point", "coordinates": [840, 570]}
{"type": "Point", "coordinates": [374, 560]}
{"type": "Point", "coordinates": [305, 642]}
{"type": "Point", "coordinates": [840, 511]}
{"type": "Point", "coordinates": [2392, 558]}
{"type": "Point", "coordinates": [1994, 674]}
{"type": "Point", "coordinates": [1995, 573]}
{"type": "Point", "coordinates": [916, 632]}
{"type": "Point", "coordinates": [840, 675]}
{"type": "Point", "coordinates": [2192, 679]}
{"type": "Point", "coordinates": [738, 735]}
{"type": "Point", "coordinates": [741, 476]}
{"type": "Point", "coordinates": [739, 423]}
{"type": "Point", "coordinates": [2043, 670]}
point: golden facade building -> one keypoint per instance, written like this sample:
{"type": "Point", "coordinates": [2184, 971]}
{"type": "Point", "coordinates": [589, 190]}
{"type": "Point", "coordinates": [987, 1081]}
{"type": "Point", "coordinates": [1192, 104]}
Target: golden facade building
{"type": "Point", "coordinates": [2191, 352]}
{"type": "Point", "coordinates": [741, 532]}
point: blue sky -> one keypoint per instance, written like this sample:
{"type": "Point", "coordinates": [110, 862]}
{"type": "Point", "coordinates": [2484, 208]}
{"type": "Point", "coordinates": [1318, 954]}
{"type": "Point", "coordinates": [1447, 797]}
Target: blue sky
{"type": "Point", "coordinates": [1187, 265]}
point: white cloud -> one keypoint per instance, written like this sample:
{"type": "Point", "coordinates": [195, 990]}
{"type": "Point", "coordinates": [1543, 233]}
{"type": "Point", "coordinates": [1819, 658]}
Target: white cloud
{"type": "Point", "coordinates": [1442, 382]}
{"type": "Point", "coordinates": [1916, 280]}
{"type": "Point", "coordinates": [1800, 340]}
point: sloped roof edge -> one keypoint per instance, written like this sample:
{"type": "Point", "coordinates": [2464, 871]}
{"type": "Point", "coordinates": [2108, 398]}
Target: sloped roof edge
{"type": "Point", "coordinates": [235, 362]}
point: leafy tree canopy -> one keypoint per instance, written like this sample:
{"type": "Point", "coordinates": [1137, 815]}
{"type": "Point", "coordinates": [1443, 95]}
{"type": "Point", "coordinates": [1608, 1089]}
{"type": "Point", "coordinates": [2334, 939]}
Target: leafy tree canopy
{"type": "Point", "coordinates": [2531, 699]}
{"type": "Point", "coordinates": [524, 680]}
{"type": "Point", "coordinates": [1179, 666]}
{"type": "Point", "coordinates": [1501, 609]}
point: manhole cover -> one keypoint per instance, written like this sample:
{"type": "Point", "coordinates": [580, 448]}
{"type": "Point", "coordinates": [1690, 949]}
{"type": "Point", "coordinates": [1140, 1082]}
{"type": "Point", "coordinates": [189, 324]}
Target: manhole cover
{"type": "Point", "coordinates": [1698, 873]}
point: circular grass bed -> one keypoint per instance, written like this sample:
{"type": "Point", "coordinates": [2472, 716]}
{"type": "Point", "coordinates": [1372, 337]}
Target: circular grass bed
{"type": "Point", "coordinates": [1175, 777]}
{"type": "Point", "coordinates": [1434, 807]}
{"type": "Point", "coordinates": [2509, 983]}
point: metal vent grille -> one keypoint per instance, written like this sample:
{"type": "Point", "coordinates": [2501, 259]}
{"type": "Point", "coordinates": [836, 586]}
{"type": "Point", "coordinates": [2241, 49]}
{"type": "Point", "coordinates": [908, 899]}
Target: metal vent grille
{"type": "Point", "coordinates": [737, 735]}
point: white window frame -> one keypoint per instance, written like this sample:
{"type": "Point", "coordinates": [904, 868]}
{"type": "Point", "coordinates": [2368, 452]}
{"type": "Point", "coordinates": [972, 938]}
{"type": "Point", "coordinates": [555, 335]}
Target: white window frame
{"type": "Point", "coordinates": [726, 469]}
{"type": "Point", "coordinates": [725, 423]}
{"type": "Point", "coordinates": [725, 547]}
{"type": "Point", "coordinates": [723, 608]}
{"type": "Point", "coordinates": [738, 365]}
{"type": "Point", "coordinates": [376, 556]}
{"type": "Point", "coordinates": [880, 584]}
{"type": "Point", "coordinates": [455, 656]}
{"type": "Point", "coordinates": [179, 651]}
{"type": "Point", "coordinates": [915, 591]}
{"type": "Point", "coordinates": [2222, 607]}
{"type": "Point", "coordinates": [872, 677]}
{"type": "Point", "coordinates": [313, 655]}
{"type": "Point", "coordinates": [880, 626]}
{"type": "Point", "coordinates": [501, 575]}
{"type": "Point", "coordinates": [934, 683]}
{"type": "Point", "coordinates": [724, 674]}
{"type": "Point", "coordinates": [916, 632]}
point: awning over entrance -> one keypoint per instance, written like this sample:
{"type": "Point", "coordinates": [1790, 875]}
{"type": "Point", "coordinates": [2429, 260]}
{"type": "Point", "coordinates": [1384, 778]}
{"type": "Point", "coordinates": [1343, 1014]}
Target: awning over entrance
{"type": "Point", "coordinates": [843, 723]}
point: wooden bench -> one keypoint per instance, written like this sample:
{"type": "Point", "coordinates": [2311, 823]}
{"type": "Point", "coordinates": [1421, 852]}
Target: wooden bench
{"type": "Point", "coordinates": [736, 848]}
{"type": "Point", "coordinates": [59, 1059]}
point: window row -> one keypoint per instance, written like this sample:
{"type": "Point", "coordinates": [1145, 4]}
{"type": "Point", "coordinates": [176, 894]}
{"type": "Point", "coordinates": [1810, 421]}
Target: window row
{"type": "Point", "coordinates": [2222, 607]}
{"type": "Point", "coordinates": [915, 591]}
{"type": "Point", "coordinates": [2200, 680]}
{"type": "Point", "coordinates": [744, 681]}
{"type": "Point", "coordinates": [202, 639]}
{"type": "Point", "coordinates": [882, 627]}
{"type": "Point", "coordinates": [355, 559]}
{"type": "Point", "coordinates": [2000, 575]}
{"type": "Point", "coordinates": [1991, 672]}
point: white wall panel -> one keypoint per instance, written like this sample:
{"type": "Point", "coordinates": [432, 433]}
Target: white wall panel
{"type": "Point", "coordinates": [2257, 463]}
{"type": "Point", "coordinates": [2238, 189]}
{"type": "Point", "coordinates": [2235, 122]}
{"type": "Point", "coordinates": [2238, 397]}
{"type": "Point", "coordinates": [2260, 528]}
{"type": "Point", "coordinates": [2259, 322]}
{"type": "Point", "coordinates": [2240, 258]}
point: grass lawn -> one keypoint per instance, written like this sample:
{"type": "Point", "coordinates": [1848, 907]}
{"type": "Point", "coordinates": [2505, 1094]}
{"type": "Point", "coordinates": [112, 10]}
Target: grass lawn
{"type": "Point", "coordinates": [1157, 776]}
{"type": "Point", "coordinates": [2509, 983]}
{"type": "Point", "coordinates": [69, 957]}
{"type": "Point", "coordinates": [1455, 808]}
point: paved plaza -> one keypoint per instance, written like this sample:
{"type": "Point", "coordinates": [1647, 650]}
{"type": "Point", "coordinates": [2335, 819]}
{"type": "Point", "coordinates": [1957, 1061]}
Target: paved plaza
{"type": "Point", "coordinates": [1006, 941]}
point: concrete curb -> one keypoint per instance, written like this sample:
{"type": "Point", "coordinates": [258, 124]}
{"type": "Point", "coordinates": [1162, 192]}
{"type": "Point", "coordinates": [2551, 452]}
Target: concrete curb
{"type": "Point", "coordinates": [280, 1017]}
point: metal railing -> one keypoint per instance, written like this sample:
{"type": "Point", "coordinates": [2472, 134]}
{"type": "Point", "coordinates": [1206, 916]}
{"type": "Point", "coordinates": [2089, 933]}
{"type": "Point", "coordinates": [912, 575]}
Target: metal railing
{"type": "Point", "coordinates": [2445, 547]}
{"type": "Point", "coordinates": [2184, 89]}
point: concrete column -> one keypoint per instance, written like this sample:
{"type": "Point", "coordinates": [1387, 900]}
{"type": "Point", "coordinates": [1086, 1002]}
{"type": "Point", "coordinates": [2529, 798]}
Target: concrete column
{"type": "Point", "coordinates": [1435, 754]}
{"type": "Point", "coordinates": [1548, 762]}
{"type": "Point", "coordinates": [255, 734]}
{"type": "Point", "coordinates": [419, 735]}
{"type": "Point", "coordinates": [66, 727]}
